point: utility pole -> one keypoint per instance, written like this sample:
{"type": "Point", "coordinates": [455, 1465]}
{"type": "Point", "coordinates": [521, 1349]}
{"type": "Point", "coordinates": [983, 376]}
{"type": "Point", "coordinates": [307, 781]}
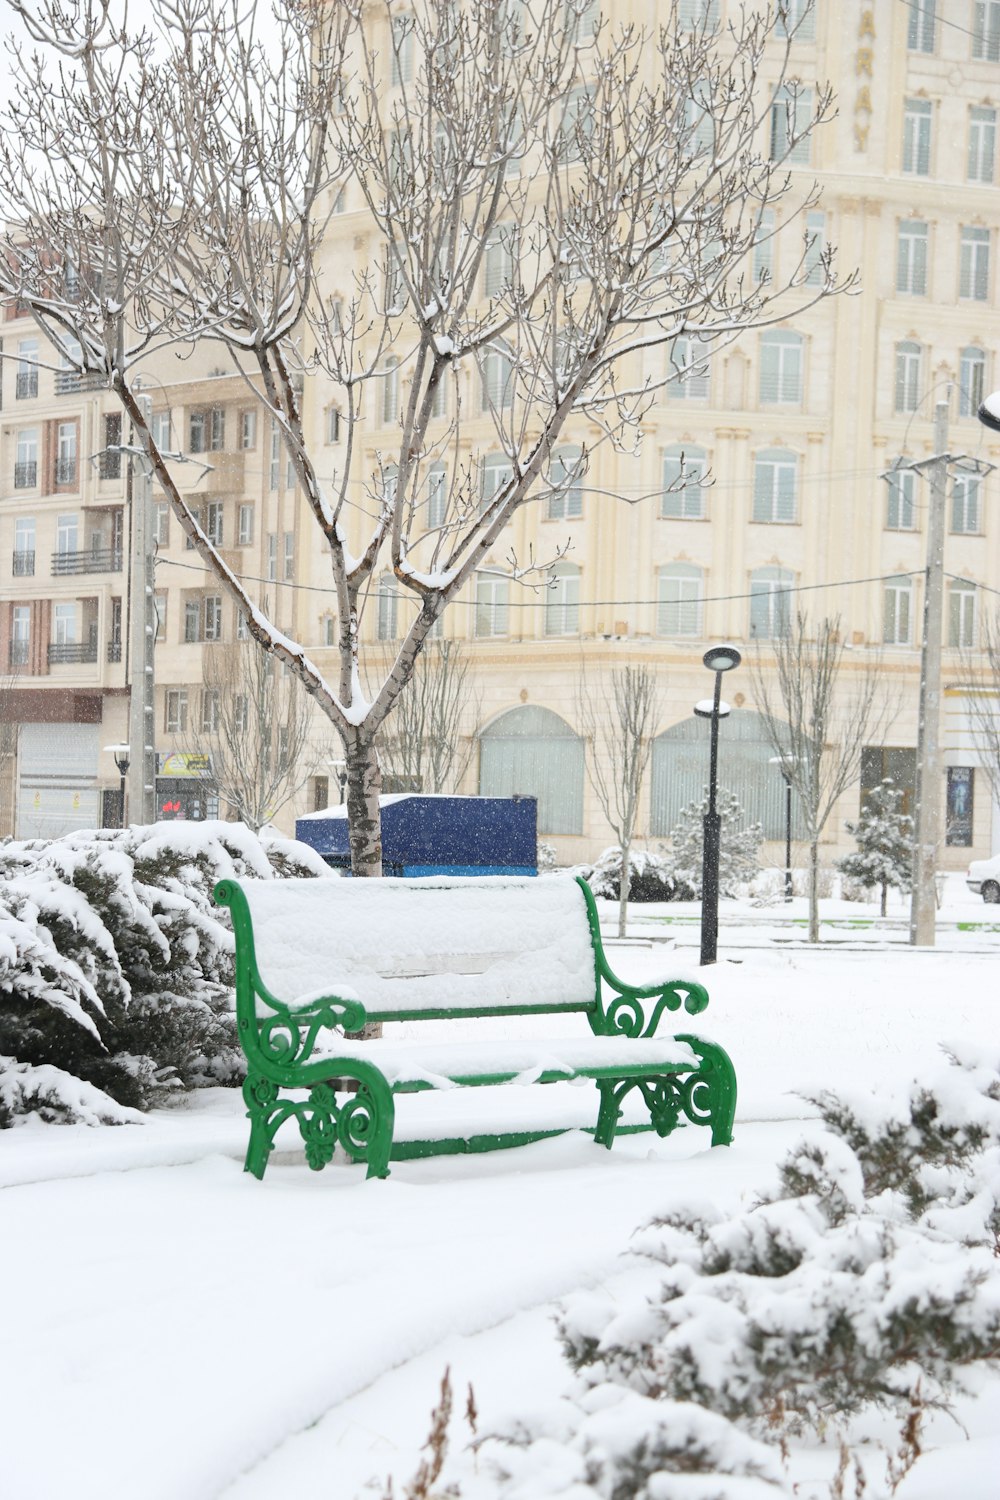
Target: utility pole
{"type": "Point", "coordinates": [142, 636]}
{"type": "Point", "coordinates": [927, 813]}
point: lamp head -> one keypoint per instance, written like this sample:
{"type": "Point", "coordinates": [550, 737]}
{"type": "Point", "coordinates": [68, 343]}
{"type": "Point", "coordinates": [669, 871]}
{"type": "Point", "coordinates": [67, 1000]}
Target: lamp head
{"type": "Point", "coordinates": [989, 412]}
{"type": "Point", "coordinates": [721, 658]}
{"type": "Point", "coordinates": [122, 755]}
{"type": "Point", "coordinates": [706, 709]}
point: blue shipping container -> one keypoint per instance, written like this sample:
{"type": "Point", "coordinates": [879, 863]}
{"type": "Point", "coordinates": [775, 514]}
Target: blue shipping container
{"type": "Point", "coordinates": [437, 835]}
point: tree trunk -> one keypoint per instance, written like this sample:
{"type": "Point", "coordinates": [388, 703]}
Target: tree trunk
{"type": "Point", "coordinates": [885, 893]}
{"type": "Point", "coordinates": [623, 888]}
{"type": "Point", "coordinates": [364, 817]}
{"type": "Point", "coordinates": [814, 891]}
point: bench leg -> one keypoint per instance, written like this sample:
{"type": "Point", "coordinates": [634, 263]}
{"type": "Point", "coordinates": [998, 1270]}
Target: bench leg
{"type": "Point", "coordinates": [260, 1096]}
{"type": "Point", "coordinates": [710, 1094]}
{"type": "Point", "coordinates": [609, 1113]}
{"type": "Point", "coordinates": [366, 1120]}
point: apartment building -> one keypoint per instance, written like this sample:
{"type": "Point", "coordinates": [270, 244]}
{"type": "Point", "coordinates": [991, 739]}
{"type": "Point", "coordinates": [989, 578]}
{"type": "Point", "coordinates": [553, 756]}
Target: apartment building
{"type": "Point", "coordinates": [796, 425]}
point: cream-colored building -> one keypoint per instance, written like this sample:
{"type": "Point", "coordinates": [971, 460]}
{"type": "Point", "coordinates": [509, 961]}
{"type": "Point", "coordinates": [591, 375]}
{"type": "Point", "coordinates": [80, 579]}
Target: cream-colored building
{"type": "Point", "coordinates": [796, 426]}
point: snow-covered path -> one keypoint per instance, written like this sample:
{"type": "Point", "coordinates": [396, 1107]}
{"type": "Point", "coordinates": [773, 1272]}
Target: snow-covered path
{"type": "Point", "coordinates": [174, 1330]}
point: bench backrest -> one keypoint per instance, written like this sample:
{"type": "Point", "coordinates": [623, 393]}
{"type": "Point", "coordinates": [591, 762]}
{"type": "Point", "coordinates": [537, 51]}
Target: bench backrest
{"type": "Point", "coordinates": [419, 946]}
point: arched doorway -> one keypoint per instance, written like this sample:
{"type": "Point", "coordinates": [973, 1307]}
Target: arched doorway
{"type": "Point", "coordinates": [680, 773]}
{"type": "Point", "coordinates": [532, 751]}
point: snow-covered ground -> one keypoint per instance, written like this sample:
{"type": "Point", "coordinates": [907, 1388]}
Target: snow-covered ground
{"type": "Point", "coordinates": [175, 1330]}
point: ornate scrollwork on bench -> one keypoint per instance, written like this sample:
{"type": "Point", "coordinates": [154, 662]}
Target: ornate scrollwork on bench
{"type": "Point", "coordinates": [361, 1123]}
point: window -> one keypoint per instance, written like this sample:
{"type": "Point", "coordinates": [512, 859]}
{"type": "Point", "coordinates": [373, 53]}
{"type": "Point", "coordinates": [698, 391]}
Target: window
{"type": "Point", "coordinates": [26, 462]}
{"type": "Point", "coordinates": [20, 635]}
{"type": "Point", "coordinates": [242, 627]}
{"type": "Point", "coordinates": [332, 424]}
{"type": "Point", "coordinates": [965, 510]}
{"type": "Point", "coordinates": [917, 116]}
{"type": "Point", "coordinates": [160, 606]}
{"type": "Point", "coordinates": [770, 602]}
{"type": "Point", "coordinates": [212, 522]}
{"type": "Point", "coordinates": [901, 511]}
{"type": "Point", "coordinates": [971, 381]}
{"type": "Point", "coordinates": [699, 117]}
{"type": "Point", "coordinates": [24, 547]}
{"type": "Point", "coordinates": [920, 32]}
{"type": "Point", "coordinates": [576, 126]}
{"type": "Point", "coordinates": [387, 607]}
{"type": "Point", "coordinates": [683, 497]}
{"type": "Point", "coordinates": [780, 367]}
{"type": "Point", "coordinates": [272, 556]}
{"type": "Point", "coordinates": [65, 453]}
{"type": "Point", "coordinates": [974, 266]}
{"type": "Point", "coordinates": [213, 617]}
{"type": "Point", "coordinates": [692, 14]}
{"type": "Point", "coordinates": [217, 429]}
{"type": "Point", "coordinates": [908, 377]}
{"type": "Point", "coordinates": [689, 359]}
{"type": "Point", "coordinates": [244, 534]}
{"type": "Point", "coordinates": [64, 624]}
{"type": "Point", "coordinates": [248, 429]}
{"type": "Point", "coordinates": [911, 258]}
{"type": "Point", "coordinates": [439, 400]}
{"type": "Point", "coordinates": [498, 271]}
{"type": "Point", "coordinates": [390, 390]}
{"type": "Point", "coordinates": [897, 613]}
{"type": "Point", "coordinates": [111, 455]}
{"type": "Point", "coordinates": [961, 613]}
{"type": "Point", "coordinates": [774, 485]}
{"type": "Point", "coordinates": [814, 265]}
{"type": "Point", "coordinates": [581, 19]}
{"type": "Point", "coordinates": [26, 382]}
{"type": "Point", "coordinates": [437, 495]}
{"type": "Point", "coordinates": [68, 377]}
{"type": "Point", "coordinates": [763, 247]}
{"type": "Point", "coordinates": [565, 476]}
{"type": "Point", "coordinates": [986, 30]}
{"type": "Point", "coordinates": [402, 50]}
{"type": "Point", "coordinates": [791, 113]}
{"type": "Point", "coordinates": [209, 710]}
{"type": "Point", "coordinates": [679, 600]}
{"type": "Point", "coordinates": [274, 473]}
{"type": "Point", "coordinates": [67, 534]}
{"type": "Point", "coordinates": [498, 379]}
{"type": "Point", "coordinates": [192, 620]}
{"type": "Point", "coordinates": [288, 566]}
{"type": "Point", "coordinates": [498, 471]}
{"type": "Point", "coordinates": [796, 18]}
{"type": "Point", "coordinates": [982, 144]}
{"type": "Point", "coordinates": [562, 603]}
{"type": "Point", "coordinates": [394, 287]}
{"type": "Point", "coordinates": [161, 523]}
{"type": "Point", "coordinates": [175, 718]}
{"type": "Point", "coordinates": [329, 630]}
{"type": "Point", "coordinates": [492, 598]}
{"type": "Point", "coordinates": [159, 430]}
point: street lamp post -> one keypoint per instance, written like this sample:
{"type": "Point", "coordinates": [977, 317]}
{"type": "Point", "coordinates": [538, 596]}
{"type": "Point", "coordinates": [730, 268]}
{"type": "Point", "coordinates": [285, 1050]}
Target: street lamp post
{"type": "Point", "coordinates": [718, 659]}
{"type": "Point", "coordinates": [123, 759]}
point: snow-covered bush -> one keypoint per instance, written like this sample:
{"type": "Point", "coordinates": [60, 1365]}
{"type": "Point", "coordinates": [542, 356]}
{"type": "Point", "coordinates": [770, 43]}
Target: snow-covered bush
{"type": "Point", "coordinates": [739, 847]}
{"type": "Point", "coordinates": [649, 876]}
{"type": "Point", "coordinates": [116, 968]}
{"type": "Point", "coordinates": [867, 1277]}
{"type": "Point", "coordinates": [884, 834]}
{"type": "Point", "coordinates": [546, 858]}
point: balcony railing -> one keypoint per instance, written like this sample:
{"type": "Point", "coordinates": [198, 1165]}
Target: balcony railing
{"type": "Point", "coordinates": [114, 651]}
{"type": "Point", "coordinates": [67, 382]}
{"type": "Point", "coordinates": [17, 653]}
{"type": "Point", "coordinates": [26, 475]}
{"type": "Point", "coordinates": [97, 560]}
{"type": "Point", "coordinates": [26, 384]}
{"type": "Point", "coordinates": [24, 565]}
{"type": "Point", "coordinates": [71, 652]}
{"type": "Point", "coordinates": [65, 471]}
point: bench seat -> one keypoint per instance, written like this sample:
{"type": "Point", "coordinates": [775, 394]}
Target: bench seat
{"type": "Point", "coordinates": [319, 960]}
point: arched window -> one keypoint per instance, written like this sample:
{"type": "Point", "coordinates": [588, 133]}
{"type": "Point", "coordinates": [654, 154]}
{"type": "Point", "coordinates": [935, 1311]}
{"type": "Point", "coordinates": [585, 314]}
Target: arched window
{"type": "Point", "coordinates": [387, 607]}
{"type": "Point", "coordinates": [689, 370]}
{"type": "Point", "coordinates": [897, 621]}
{"type": "Point", "coordinates": [498, 471]}
{"type": "Point", "coordinates": [679, 773]}
{"type": "Point", "coordinates": [901, 507]}
{"type": "Point", "coordinates": [961, 613]}
{"type": "Point", "coordinates": [770, 602]}
{"type": "Point", "coordinates": [498, 261]}
{"type": "Point", "coordinates": [683, 495]}
{"type": "Point", "coordinates": [390, 390]}
{"type": "Point", "coordinates": [577, 123]}
{"type": "Point", "coordinates": [791, 110]}
{"type": "Point", "coordinates": [971, 381]}
{"type": "Point", "coordinates": [533, 752]}
{"type": "Point", "coordinates": [562, 600]}
{"type": "Point", "coordinates": [680, 588]}
{"type": "Point", "coordinates": [780, 367]}
{"type": "Point", "coordinates": [566, 477]}
{"type": "Point", "coordinates": [492, 602]}
{"type": "Point", "coordinates": [437, 495]}
{"type": "Point", "coordinates": [775, 482]}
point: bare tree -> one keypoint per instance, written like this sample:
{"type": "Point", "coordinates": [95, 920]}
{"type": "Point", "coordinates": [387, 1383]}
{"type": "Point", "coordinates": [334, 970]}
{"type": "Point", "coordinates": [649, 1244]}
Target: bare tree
{"type": "Point", "coordinates": [421, 745]}
{"type": "Point", "coordinates": [610, 185]}
{"type": "Point", "coordinates": [619, 719]}
{"type": "Point", "coordinates": [255, 732]}
{"type": "Point", "coordinates": [817, 723]}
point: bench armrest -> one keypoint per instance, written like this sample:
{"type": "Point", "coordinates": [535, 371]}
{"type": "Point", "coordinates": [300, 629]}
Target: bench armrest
{"type": "Point", "coordinates": [635, 1010]}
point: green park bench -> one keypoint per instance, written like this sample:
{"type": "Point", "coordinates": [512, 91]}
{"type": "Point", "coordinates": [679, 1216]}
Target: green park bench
{"type": "Point", "coordinates": [317, 958]}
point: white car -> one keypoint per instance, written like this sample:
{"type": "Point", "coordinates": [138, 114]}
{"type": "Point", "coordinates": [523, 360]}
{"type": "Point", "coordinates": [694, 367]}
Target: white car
{"type": "Point", "coordinates": [984, 878]}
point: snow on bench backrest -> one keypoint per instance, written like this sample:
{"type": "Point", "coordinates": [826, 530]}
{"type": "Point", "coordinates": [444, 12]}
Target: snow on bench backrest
{"type": "Point", "coordinates": [424, 944]}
